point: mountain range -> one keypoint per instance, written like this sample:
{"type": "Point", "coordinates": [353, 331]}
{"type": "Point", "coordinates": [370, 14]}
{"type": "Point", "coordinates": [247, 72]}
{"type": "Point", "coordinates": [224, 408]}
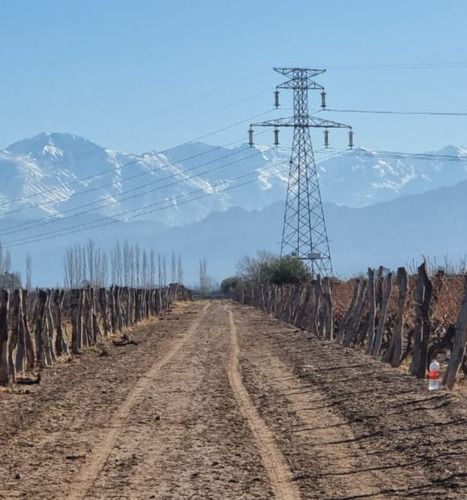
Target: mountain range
{"type": "Point", "coordinates": [223, 203]}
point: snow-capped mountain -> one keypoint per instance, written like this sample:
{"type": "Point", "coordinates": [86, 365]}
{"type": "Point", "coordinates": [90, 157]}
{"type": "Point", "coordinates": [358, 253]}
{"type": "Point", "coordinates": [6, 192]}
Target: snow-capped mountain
{"type": "Point", "coordinates": [62, 175]}
{"type": "Point", "coordinates": [362, 177]}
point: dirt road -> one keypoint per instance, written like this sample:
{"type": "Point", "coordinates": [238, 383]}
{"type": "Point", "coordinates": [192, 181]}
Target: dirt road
{"type": "Point", "coordinates": [219, 401]}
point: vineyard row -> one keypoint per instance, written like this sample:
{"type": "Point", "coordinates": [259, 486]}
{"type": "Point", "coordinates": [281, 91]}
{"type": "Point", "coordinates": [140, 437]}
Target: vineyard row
{"type": "Point", "coordinates": [397, 318]}
{"type": "Point", "coordinates": [39, 327]}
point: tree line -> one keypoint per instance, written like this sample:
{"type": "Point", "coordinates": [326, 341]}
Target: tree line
{"type": "Point", "coordinates": [126, 265]}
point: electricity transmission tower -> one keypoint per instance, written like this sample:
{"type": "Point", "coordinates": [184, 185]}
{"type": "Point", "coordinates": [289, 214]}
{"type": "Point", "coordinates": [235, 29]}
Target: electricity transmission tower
{"type": "Point", "coordinates": [304, 232]}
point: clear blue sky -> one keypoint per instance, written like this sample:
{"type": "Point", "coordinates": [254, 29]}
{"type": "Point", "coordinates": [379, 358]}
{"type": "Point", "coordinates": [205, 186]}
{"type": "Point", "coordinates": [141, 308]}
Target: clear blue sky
{"type": "Point", "coordinates": [141, 75]}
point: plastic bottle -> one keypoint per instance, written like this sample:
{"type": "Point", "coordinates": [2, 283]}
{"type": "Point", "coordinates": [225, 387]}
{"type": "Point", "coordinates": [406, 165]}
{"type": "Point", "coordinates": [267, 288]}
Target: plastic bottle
{"type": "Point", "coordinates": [433, 376]}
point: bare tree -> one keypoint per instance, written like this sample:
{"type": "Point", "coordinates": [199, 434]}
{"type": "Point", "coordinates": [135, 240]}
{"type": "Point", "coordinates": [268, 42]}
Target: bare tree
{"type": "Point", "coordinates": [28, 272]}
{"type": "Point", "coordinates": [126, 264]}
{"type": "Point", "coordinates": [132, 267]}
{"type": "Point", "coordinates": [137, 265]}
{"type": "Point", "coordinates": [152, 270]}
{"type": "Point", "coordinates": [173, 268]}
{"type": "Point", "coordinates": [117, 265]}
{"type": "Point", "coordinates": [250, 268]}
{"type": "Point", "coordinates": [179, 270]}
{"type": "Point", "coordinates": [164, 271]}
{"type": "Point", "coordinates": [203, 277]}
{"type": "Point", "coordinates": [159, 268]}
{"type": "Point", "coordinates": [91, 260]}
{"type": "Point", "coordinates": [145, 270]}
{"type": "Point", "coordinates": [101, 268]}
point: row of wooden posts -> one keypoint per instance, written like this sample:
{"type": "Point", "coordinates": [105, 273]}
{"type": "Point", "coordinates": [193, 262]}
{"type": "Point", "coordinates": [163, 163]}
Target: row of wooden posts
{"type": "Point", "coordinates": [36, 328]}
{"type": "Point", "coordinates": [365, 323]}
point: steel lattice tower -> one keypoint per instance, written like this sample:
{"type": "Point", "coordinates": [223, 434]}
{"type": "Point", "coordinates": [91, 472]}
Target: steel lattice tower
{"type": "Point", "coordinates": [304, 232]}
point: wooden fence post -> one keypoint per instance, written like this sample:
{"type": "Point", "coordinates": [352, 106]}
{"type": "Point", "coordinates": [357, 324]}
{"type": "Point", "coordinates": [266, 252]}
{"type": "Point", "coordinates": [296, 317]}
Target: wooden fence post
{"type": "Point", "coordinates": [382, 317]}
{"type": "Point", "coordinates": [460, 345]}
{"type": "Point", "coordinates": [370, 332]}
{"type": "Point", "coordinates": [328, 319]}
{"type": "Point", "coordinates": [76, 323]}
{"type": "Point", "coordinates": [349, 312]}
{"type": "Point", "coordinates": [393, 355]}
{"type": "Point", "coordinates": [352, 327]}
{"type": "Point", "coordinates": [42, 353]}
{"type": "Point", "coordinates": [49, 329]}
{"type": "Point", "coordinates": [423, 296]}
{"type": "Point", "coordinates": [60, 344]}
{"type": "Point", "coordinates": [16, 345]}
{"type": "Point", "coordinates": [104, 308]}
{"type": "Point", "coordinates": [18, 323]}
{"type": "Point", "coordinates": [4, 337]}
{"type": "Point", "coordinates": [29, 343]}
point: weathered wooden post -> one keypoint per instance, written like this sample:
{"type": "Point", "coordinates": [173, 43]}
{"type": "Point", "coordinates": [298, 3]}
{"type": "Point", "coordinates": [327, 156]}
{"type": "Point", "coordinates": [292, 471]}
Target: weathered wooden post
{"type": "Point", "coordinates": [423, 294]}
{"type": "Point", "coordinates": [370, 332]}
{"type": "Point", "coordinates": [460, 345]}
{"type": "Point", "coordinates": [382, 317]}
{"type": "Point", "coordinates": [42, 352]}
{"type": "Point", "coordinates": [4, 337]}
{"type": "Point", "coordinates": [300, 319]}
{"type": "Point", "coordinates": [76, 323]}
{"type": "Point", "coordinates": [60, 344]}
{"type": "Point", "coordinates": [104, 307]}
{"type": "Point", "coordinates": [394, 353]}
{"type": "Point", "coordinates": [328, 320]}
{"type": "Point", "coordinates": [16, 347]}
{"type": "Point", "coordinates": [29, 343]}
{"type": "Point", "coordinates": [49, 330]}
{"type": "Point", "coordinates": [352, 327]}
{"type": "Point", "coordinates": [349, 312]}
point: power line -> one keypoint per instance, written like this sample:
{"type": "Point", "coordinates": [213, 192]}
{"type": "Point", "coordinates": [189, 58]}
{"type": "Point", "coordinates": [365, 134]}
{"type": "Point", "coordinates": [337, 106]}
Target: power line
{"type": "Point", "coordinates": [416, 156]}
{"type": "Point", "coordinates": [137, 212]}
{"type": "Point", "coordinates": [141, 174]}
{"type": "Point", "coordinates": [51, 220]}
{"type": "Point", "coordinates": [379, 112]}
{"type": "Point", "coordinates": [106, 221]}
{"type": "Point", "coordinates": [99, 204]}
{"type": "Point", "coordinates": [402, 66]}
{"type": "Point", "coordinates": [143, 210]}
{"type": "Point", "coordinates": [132, 162]}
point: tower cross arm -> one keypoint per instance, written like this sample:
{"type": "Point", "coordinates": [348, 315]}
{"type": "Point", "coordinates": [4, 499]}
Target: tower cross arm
{"type": "Point", "coordinates": [281, 122]}
{"type": "Point", "coordinates": [320, 123]}
{"type": "Point", "coordinates": [299, 71]}
{"type": "Point", "coordinates": [306, 122]}
{"type": "Point", "coordinates": [302, 83]}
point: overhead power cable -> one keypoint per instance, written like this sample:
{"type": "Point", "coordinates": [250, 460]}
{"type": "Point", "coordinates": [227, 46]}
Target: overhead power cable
{"type": "Point", "coordinates": [379, 112]}
{"type": "Point", "coordinates": [132, 177]}
{"type": "Point", "coordinates": [416, 156]}
{"type": "Point", "coordinates": [220, 187]}
{"type": "Point", "coordinates": [401, 66]}
{"type": "Point", "coordinates": [138, 212]}
{"type": "Point", "coordinates": [14, 229]}
{"type": "Point", "coordinates": [132, 162]}
{"type": "Point", "coordinates": [327, 153]}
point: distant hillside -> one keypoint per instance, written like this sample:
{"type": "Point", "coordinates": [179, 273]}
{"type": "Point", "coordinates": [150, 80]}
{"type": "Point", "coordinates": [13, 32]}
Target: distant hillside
{"type": "Point", "coordinates": [59, 189]}
{"type": "Point", "coordinates": [390, 233]}
{"type": "Point", "coordinates": [60, 175]}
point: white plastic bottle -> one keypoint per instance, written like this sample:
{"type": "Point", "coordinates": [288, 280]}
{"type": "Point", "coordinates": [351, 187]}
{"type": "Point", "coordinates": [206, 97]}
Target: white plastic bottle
{"type": "Point", "coordinates": [433, 376]}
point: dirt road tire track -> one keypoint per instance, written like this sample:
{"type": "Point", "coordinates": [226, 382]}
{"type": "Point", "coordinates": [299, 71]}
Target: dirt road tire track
{"type": "Point", "coordinates": [95, 462]}
{"type": "Point", "coordinates": [221, 402]}
{"type": "Point", "coordinates": [273, 459]}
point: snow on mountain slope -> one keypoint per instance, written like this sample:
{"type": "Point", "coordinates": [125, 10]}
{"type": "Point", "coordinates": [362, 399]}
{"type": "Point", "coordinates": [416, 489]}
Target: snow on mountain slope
{"type": "Point", "coordinates": [61, 175]}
